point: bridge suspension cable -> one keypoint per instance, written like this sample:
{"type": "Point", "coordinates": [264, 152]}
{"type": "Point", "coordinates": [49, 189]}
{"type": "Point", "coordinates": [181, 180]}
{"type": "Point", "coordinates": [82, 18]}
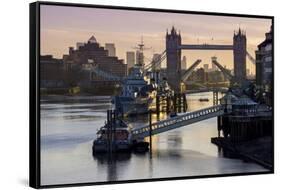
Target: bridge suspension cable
{"type": "Point", "coordinates": [156, 62]}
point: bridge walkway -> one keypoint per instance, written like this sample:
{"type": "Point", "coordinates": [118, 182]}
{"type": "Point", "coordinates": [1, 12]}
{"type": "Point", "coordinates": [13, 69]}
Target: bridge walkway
{"type": "Point", "coordinates": [178, 121]}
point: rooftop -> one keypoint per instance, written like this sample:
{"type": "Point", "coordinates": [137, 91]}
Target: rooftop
{"type": "Point", "coordinates": [92, 40]}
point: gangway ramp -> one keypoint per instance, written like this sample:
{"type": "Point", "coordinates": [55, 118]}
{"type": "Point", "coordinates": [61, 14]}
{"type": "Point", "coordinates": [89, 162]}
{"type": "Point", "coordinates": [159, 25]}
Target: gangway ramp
{"type": "Point", "coordinates": [178, 121]}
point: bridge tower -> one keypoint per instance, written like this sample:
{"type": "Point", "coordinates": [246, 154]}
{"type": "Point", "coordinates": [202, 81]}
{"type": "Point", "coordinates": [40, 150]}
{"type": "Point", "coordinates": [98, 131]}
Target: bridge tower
{"type": "Point", "coordinates": [239, 55]}
{"type": "Point", "coordinates": [173, 41]}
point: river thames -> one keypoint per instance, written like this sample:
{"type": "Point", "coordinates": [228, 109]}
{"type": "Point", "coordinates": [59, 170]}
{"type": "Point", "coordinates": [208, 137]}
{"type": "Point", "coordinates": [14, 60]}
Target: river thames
{"type": "Point", "coordinates": [69, 125]}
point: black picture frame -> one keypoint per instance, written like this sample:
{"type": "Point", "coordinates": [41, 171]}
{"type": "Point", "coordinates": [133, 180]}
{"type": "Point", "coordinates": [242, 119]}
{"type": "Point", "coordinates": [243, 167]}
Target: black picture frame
{"type": "Point", "coordinates": [34, 93]}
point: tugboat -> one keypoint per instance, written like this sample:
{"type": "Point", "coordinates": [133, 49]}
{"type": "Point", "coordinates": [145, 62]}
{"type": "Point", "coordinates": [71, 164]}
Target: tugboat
{"type": "Point", "coordinates": [113, 136]}
{"type": "Point", "coordinates": [136, 95]}
{"type": "Point", "coordinates": [116, 136]}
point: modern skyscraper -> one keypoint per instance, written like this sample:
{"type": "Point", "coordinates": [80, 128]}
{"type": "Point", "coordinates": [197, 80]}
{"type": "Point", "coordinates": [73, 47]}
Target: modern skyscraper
{"type": "Point", "coordinates": [110, 47]}
{"type": "Point", "coordinates": [139, 58]}
{"type": "Point", "coordinates": [183, 63]}
{"type": "Point", "coordinates": [92, 40]}
{"type": "Point", "coordinates": [206, 67]}
{"type": "Point", "coordinates": [130, 59]}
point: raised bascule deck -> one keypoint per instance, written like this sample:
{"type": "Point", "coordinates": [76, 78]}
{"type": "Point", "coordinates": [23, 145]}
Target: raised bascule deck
{"type": "Point", "coordinates": [178, 121]}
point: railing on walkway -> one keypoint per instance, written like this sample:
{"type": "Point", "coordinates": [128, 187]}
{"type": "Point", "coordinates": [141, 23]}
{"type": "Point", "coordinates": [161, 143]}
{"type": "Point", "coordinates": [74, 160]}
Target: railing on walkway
{"type": "Point", "coordinates": [178, 121]}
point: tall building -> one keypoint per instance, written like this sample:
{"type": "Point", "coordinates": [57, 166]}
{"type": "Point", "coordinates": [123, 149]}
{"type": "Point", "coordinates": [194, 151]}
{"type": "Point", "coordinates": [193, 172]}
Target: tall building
{"type": "Point", "coordinates": [130, 59]}
{"type": "Point", "coordinates": [264, 66]}
{"type": "Point", "coordinates": [206, 67]}
{"type": "Point", "coordinates": [51, 72]}
{"type": "Point", "coordinates": [79, 44]}
{"type": "Point", "coordinates": [183, 63]}
{"type": "Point", "coordinates": [110, 47]}
{"type": "Point", "coordinates": [156, 59]}
{"type": "Point", "coordinates": [92, 40]}
{"type": "Point", "coordinates": [139, 58]}
{"type": "Point", "coordinates": [239, 55]}
{"type": "Point", "coordinates": [93, 53]}
{"type": "Point", "coordinates": [173, 40]}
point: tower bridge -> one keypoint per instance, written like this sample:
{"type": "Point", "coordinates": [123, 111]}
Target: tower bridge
{"type": "Point", "coordinates": [174, 47]}
{"type": "Point", "coordinates": [172, 54]}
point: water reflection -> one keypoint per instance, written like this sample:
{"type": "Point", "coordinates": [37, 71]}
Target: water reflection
{"type": "Point", "coordinates": [69, 125]}
{"type": "Point", "coordinates": [111, 162]}
{"type": "Point", "coordinates": [174, 140]}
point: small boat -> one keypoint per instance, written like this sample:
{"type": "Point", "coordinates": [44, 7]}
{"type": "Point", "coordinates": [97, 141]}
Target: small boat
{"type": "Point", "coordinates": [204, 99]}
{"type": "Point", "coordinates": [116, 139]}
{"type": "Point", "coordinates": [116, 136]}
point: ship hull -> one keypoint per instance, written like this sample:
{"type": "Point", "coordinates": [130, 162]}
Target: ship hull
{"type": "Point", "coordinates": [130, 106]}
{"type": "Point", "coordinates": [102, 147]}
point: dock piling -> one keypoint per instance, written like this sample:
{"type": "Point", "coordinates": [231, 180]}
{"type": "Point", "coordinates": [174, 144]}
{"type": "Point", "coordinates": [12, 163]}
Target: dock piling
{"type": "Point", "coordinates": [184, 103]}
{"type": "Point", "coordinates": [215, 97]}
{"type": "Point", "coordinates": [157, 105]}
{"type": "Point", "coordinates": [168, 104]}
{"type": "Point", "coordinates": [175, 103]}
{"type": "Point", "coordinates": [150, 130]}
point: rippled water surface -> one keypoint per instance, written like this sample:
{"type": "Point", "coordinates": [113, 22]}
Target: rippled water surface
{"type": "Point", "coordinates": [69, 125]}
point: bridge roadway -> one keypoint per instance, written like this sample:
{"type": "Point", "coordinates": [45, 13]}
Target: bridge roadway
{"type": "Point", "coordinates": [222, 90]}
{"type": "Point", "coordinates": [178, 121]}
{"type": "Point", "coordinates": [205, 47]}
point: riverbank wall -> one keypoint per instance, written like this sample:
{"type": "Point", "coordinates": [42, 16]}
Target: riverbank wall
{"type": "Point", "coordinates": [249, 138]}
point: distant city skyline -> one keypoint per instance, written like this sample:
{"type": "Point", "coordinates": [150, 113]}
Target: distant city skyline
{"type": "Point", "coordinates": [62, 27]}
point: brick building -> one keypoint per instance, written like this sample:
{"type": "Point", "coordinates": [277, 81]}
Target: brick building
{"type": "Point", "coordinates": [264, 63]}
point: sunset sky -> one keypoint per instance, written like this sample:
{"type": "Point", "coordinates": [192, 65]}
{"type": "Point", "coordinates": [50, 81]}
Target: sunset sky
{"type": "Point", "coordinates": [62, 27]}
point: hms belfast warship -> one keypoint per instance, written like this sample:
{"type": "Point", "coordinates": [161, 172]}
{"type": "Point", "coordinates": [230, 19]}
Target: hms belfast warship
{"type": "Point", "coordinates": [136, 95]}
